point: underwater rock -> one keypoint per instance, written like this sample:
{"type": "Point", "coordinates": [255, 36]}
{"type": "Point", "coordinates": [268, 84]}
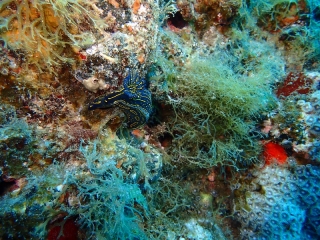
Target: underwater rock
{"type": "Point", "coordinates": [139, 166]}
{"type": "Point", "coordinates": [217, 69]}
{"type": "Point", "coordinates": [15, 142]}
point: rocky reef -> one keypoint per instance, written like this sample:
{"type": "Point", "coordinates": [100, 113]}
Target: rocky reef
{"type": "Point", "coordinates": [159, 119]}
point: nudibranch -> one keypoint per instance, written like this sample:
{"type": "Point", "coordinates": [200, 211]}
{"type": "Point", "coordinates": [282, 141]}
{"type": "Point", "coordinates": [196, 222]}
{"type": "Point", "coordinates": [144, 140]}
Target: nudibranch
{"type": "Point", "coordinates": [134, 99]}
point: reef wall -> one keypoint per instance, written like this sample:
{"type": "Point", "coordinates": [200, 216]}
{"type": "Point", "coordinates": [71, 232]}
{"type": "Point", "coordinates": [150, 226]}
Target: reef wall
{"type": "Point", "coordinates": [159, 119]}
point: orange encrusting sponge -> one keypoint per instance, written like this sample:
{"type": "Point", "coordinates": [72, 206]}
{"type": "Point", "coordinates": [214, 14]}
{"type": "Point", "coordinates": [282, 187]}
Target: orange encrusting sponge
{"type": "Point", "coordinates": [274, 153]}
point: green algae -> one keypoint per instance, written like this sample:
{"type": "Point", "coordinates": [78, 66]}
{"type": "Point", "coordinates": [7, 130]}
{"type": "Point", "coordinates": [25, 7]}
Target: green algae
{"type": "Point", "coordinates": [105, 204]}
{"type": "Point", "coordinates": [217, 99]}
{"type": "Point", "coordinates": [16, 142]}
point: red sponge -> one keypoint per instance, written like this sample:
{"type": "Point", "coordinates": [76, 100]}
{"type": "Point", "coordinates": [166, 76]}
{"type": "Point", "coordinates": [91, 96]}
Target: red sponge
{"type": "Point", "coordinates": [274, 153]}
{"type": "Point", "coordinates": [70, 231]}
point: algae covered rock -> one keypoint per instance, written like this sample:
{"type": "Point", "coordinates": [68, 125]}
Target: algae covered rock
{"type": "Point", "coordinates": [103, 193]}
{"type": "Point", "coordinates": [16, 142]}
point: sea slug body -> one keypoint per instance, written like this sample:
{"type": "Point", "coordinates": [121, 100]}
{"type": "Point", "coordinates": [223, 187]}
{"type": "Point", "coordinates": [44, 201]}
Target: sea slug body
{"type": "Point", "coordinates": [134, 99]}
